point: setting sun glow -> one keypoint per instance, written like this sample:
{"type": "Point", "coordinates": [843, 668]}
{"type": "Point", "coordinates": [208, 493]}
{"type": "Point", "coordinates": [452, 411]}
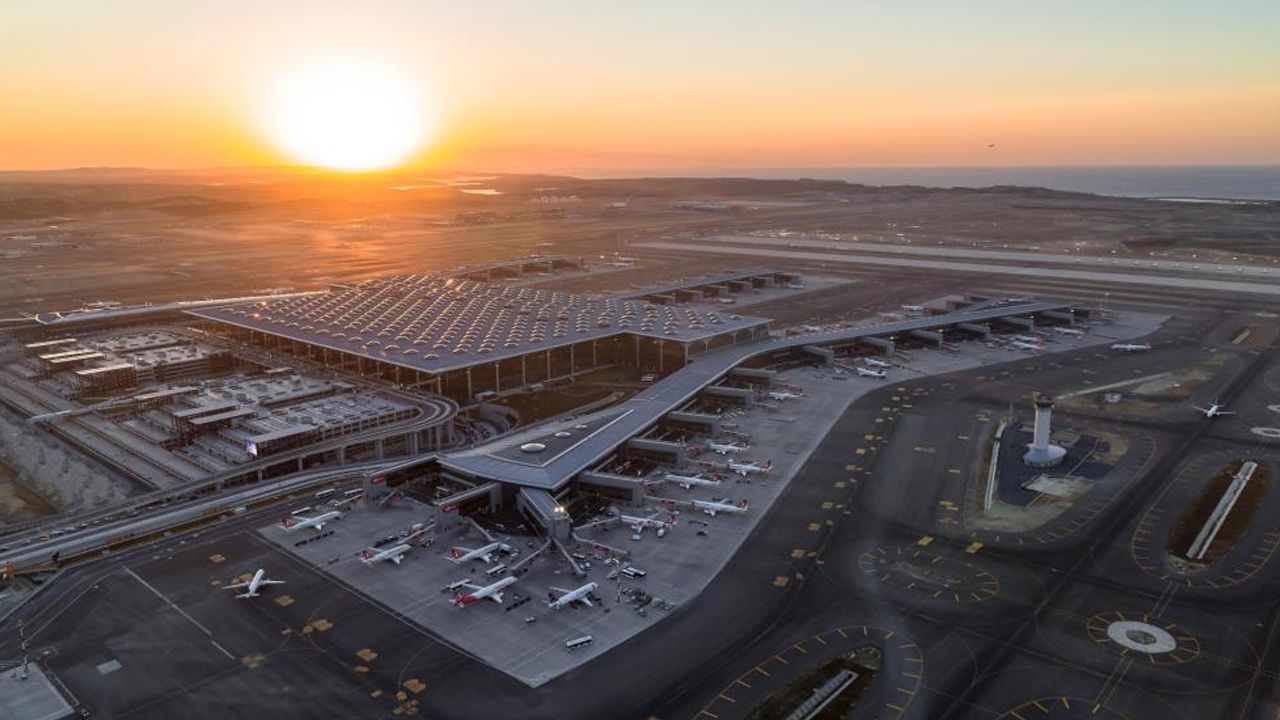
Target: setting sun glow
{"type": "Point", "coordinates": [347, 114]}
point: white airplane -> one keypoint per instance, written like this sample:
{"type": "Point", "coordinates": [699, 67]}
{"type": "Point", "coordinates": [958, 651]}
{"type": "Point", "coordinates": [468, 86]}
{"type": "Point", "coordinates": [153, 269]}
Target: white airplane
{"type": "Point", "coordinates": [725, 448]}
{"type": "Point", "coordinates": [913, 308]}
{"type": "Point", "coordinates": [688, 481]}
{"type": "Point", "coordinates": [291, 523]}
{"type": "Point", "coordinates": [745, 469]}
{"type": "Point", "coordinates": [569, 597]}
{"type": "Point", "coordinates": [1029, 347]}
{"type": "Point", "coordinates": [1214, 410]}
{"type": "Point", "coordinates": [1073, 332]}
{"type": "Point", "coordinates": [872, 362]}
{"type": "Point", "coordinates": [259, 579]}
{"type": "Point", "coordinates": [395, 554]}
{"type": "Point", "coordinates": [461, 555]}
{"type": "Point", "coordinates": [493, 592]}
{"type": "Point", "coordinates": [638, 524]}
{"type": "Point", "coordinates": [867, 372]}
{"type": "Point", "coordinates": [1026, 339]}
{"type": "Point", "coordinates": [783, 395]}
{"type": "Point", "coordinates": [1131, 347]}
{"type": "Point", "coordinates": [711, 507]}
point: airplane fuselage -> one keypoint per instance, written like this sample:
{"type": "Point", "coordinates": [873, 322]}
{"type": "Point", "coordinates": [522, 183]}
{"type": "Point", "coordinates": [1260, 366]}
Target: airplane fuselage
{"type": "Point", "coordinates": [484, 553]}
{"type": "Point", "coordinates": [317, 522]}
{"type": "Point", "coordinates": [493, 592]}
{"type": "Point", "coordinates": [579, 594]}
{"type": "Point", "coordinates": [392, 554]}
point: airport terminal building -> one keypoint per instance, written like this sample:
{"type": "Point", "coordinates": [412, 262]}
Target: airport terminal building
{"type": "Point", "coordinates": [463, 338]}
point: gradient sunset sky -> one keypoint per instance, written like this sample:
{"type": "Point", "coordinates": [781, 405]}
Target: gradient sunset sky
{"type": "Point", "coordinates": [569, 85]}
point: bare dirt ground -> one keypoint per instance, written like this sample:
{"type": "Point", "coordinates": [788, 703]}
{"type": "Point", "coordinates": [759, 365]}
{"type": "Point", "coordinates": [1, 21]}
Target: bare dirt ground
{"type": "Point", "coordinates": [134, 236]}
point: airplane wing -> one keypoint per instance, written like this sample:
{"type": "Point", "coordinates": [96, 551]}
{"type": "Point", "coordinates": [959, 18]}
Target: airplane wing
{"type": "Point", "coordinates": [562, 591]}
{"type": "Point", "coordinates": [1197, 407]}
{"type": "Point", "coordinates": [272, 582]}
{"type": "Point", "coordinates": [469, 586]}
{"type": "Point", "coordinates": [496, 597]}
{"type": "Point", "coordinates": [586, 600]}
{"type": "Point", "coordinates": [236, 586]}
{"type": "Point", "coordinates": [1223, 412]}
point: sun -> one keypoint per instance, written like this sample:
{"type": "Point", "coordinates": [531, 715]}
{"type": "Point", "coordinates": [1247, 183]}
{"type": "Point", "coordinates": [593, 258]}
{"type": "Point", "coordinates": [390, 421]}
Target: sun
{"type": "Point", "coordinates": [348, 114]}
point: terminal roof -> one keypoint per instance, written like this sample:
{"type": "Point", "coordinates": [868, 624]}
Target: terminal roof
{"type": "Point", "coordinates": [435, 323]}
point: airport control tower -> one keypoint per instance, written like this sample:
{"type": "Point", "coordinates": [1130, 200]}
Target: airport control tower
{"type": "Point", "coordinates": [1042, 453]}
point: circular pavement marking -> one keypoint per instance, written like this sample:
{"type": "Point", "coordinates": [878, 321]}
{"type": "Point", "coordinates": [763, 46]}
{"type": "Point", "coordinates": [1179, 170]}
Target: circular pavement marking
{"type": "Point", "coordinates": [1163, 643]}
{"type": "Point", "coordinates": [916, 569]}
{"type": "Point", "coordinates": [1267, 432]}
{"type": "Point", "coordinates": [1143, 637]}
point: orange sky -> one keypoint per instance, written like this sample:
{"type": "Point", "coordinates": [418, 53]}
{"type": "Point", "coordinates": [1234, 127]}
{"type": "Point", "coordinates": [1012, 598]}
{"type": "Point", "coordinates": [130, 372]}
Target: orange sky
{"type": "Point", "coordinates": [569, 85]}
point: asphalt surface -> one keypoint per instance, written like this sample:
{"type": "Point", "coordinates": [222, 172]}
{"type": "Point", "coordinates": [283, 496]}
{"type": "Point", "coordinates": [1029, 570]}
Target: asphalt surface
{"type": "Point", "coordinates": [868, 546]}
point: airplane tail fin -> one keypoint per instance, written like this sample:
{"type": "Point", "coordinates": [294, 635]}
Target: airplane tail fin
{"type": "Point", "coordinates": [453, 551]}
{"type": "Point", "coordinates": [366, 554]}
{"type": "Point", "coordinates": [286, 522]}
{"type": "Point", "coordinates": [743, 504]}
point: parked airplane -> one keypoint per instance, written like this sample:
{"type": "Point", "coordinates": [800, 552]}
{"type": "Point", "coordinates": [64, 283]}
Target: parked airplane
{"type": "Point", "coordinates": [254, 585]}
{"type": "Point", "coordinates": [913, 308]}
{"type": "Point", "coordinates": [872, 362]}
{"type": "Point", "coordinates": [1214, 410]}
{"type": "Point", "coordinates": [293, 522]}
{"type": "Point", "coordinates": [395, 554]}
{"type": "Point", "coordinates": [569, 597]}
{"type": "Point", "coordinates": [1029, 347]}
{"type": "Point", "coordinates": [867, 372]}
{"type": "Point", "coordinates": [1073, 332]}
{"type": "Point", "coordinates": [461, 555]}
{"type": "Point", "coordinates": [725, 448]}
{"type": "Point", "coordinates": [638, 524]}
{"type": "Point", "coordinates": [688, 481]}
{"type": "Point", "coordinates": [493, 592]}
{"type": "Point", "coordinates": [1131, 347]}
{"type": "Point", "coordinates": [711, 507]}
{"type": "Point", "coordinates": [783, 395]}
{"type": "Point", "coordinates": [1026, 339]}
{"type": "Point", "coordinates": [745, 469]}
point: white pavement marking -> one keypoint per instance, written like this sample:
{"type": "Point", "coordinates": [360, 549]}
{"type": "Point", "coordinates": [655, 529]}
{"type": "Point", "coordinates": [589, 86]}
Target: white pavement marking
{"type": "Point", "coordinates": [171, 604]}
{"type": "Point", "coordinates": [224, 650]}
{"type": "Point", "coordinates": [1122, 383]}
